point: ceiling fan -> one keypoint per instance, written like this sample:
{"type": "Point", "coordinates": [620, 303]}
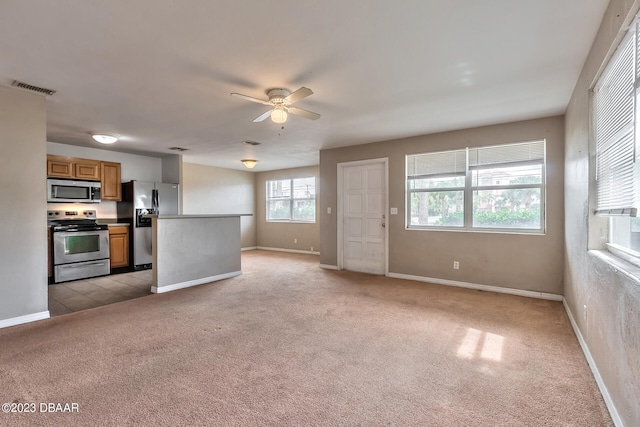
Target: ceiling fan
{"type": "Point", "coordinates": [281, 101]}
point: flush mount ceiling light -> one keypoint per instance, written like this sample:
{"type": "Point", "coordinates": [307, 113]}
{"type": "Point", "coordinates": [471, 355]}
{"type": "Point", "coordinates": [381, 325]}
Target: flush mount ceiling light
{"type": "Point", "coordinates": [249, 163]}
{"type": "Point", "coordinates": [103, 138]}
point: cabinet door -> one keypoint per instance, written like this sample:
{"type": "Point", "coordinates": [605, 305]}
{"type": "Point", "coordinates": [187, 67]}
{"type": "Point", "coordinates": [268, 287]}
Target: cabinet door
{"type": "Point", "coordinates": [59, 167]}
{"type": "Point", "coordinates": [110, 181]}
{"type": "Point", "coordinates": [119, 246]}
{"type": "Point", "coordinates": [87, 169]}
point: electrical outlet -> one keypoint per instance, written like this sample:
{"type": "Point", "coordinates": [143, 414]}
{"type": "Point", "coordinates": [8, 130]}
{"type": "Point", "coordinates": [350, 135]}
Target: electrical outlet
{"type": "Point", "coordinates": [329, 211]}
{"type": "Point", "coordinates": [311, 248]}
{"type": "Point", "coordinates": [456, 265]}
{"type": "Point", "coordinates": [295, 240]}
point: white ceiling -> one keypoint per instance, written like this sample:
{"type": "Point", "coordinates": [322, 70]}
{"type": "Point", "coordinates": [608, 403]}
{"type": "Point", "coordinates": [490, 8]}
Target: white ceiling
{"type": "Point", "coordinates": [159, 73]}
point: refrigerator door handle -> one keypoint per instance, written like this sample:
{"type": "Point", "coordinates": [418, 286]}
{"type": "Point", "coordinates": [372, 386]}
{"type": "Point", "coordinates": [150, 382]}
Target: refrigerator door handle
{"type": "Point", "coordinates": [154, 201]}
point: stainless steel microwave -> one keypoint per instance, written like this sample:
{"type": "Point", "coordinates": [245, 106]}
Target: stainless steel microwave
{"type": "Point", "coordinates": [70, 191]}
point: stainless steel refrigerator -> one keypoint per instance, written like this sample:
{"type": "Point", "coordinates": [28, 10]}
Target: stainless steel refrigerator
{"type": "Point", "coordinates": [140, 198]}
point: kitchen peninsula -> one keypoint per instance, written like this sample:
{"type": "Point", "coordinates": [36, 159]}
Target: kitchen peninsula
{"type": "Point", "coordinates": [190, 250]}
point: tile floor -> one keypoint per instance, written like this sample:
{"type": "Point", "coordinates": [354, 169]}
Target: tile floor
{"type": "Point", "coordinates": [68, 297]}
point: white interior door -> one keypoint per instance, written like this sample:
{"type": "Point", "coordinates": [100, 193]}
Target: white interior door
{"type": "Point", "coordinates": [363, 216]}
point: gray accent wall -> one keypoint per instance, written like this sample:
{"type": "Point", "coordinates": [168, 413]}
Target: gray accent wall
{"type": "Point", "coordinates": [283, 235]}
{"type": "Point", "coordinates": [213, 190]}
{"type": "Point", "coordinates": [23, 247]}
{"type": "Point", "coordinates": [518, 261]}
{"type": "Point", "coordinates": [610, 290]}
{"type": "Point", "coordinates": [208, 249]}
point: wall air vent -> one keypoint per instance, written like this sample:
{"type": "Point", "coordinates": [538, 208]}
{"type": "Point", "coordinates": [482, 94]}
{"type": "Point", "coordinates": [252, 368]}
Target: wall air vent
{"type": "Point", "coordinates": [33, 88]}
{"type": "Point", "coordinates": [178, 149]}
{"type": "Point", "coordinates": [254, 143]}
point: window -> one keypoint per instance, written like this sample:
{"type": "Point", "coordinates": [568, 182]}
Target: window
{"type": "Point", "coordinates": [497, 188]}
{"type": "Point", "coordinates": [292, 200]}
{"type": "Point", "coordinates": [435, 187]}
{"type": "Point", "coordinates": [616, 122]}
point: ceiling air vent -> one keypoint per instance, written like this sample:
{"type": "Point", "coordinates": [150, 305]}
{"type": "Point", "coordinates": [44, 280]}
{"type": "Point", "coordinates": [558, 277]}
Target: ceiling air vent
{"type": "Point", "coordinates": [33, 88]}
{"type": "Point", "coordinates": [178, 149]}
{"type": "Point", "coordinates": [254, 143]}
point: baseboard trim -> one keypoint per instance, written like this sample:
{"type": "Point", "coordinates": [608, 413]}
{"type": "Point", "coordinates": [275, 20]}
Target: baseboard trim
{"type": "Point", "coordinates": [295, 251]}
{"type": "Point", "coordinates": [195, 282]}
{"type": "Point", "coordinates": [511, 291]}
{"type": "Point", "coordinates": [615, 417]}
{"type": "Point", "coordinates": [24, 319]}
{"type": "Point", "coordinates": [329, 267]}
{"type": "Point", "coordinates": [248, 248]}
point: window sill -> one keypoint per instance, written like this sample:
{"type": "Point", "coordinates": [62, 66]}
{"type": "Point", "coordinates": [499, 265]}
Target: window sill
{"type": "Point", "coordinates": [286, 221]}
{"type": "Point", "coordinates": [619, 265]}
{"type": "Point", "coordinates": [624, 254]}
{"type": "Point", "coordinates": [479, 230]}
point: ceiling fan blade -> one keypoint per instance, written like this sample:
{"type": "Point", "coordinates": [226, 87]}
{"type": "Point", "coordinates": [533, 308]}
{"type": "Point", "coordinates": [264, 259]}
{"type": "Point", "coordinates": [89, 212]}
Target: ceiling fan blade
{"type": "Point", "coordinates": [252, 99]}
{"type": "Point", "coordinates": [304, 113]}
{"type": "Point", "coordinates": [262, 117]}
{"type": "Point", "coordinates": [296, 96]}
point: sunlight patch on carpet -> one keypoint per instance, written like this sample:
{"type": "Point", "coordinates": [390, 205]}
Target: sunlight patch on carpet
{"type": "Point", "coordinates": [491, 346]}
{"type": "Point", "coordinates": [469, 344]}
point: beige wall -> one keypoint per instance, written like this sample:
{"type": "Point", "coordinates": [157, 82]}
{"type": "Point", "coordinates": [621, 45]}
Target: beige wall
{"type": "Point", "coordinates": [278, 234]}
{"type": "Point", "coordinates": [23, 205]}
{"type": "Point", "coordinates": [611, 329]}
{"type": "Point", "coordinates": [213, 190]}
{"type": "Point", "coordinates": [520, 261]}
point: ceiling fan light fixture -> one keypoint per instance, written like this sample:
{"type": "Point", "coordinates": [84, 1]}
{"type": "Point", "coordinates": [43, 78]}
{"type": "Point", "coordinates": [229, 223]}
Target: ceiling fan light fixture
{"type": "Point", "coordinates": [104, 138]}
{"type": "Point", "coordinates": [279, 115]}
{"type": "Point", "coordinates": [249, 163]}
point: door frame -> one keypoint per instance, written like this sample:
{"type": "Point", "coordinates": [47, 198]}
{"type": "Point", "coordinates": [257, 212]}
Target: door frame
{"type": "Point", "coordinates": [340, 205]}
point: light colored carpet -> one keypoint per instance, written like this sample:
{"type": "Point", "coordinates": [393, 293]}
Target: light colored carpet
{"type": "Point", "coordinates": [288, 343]}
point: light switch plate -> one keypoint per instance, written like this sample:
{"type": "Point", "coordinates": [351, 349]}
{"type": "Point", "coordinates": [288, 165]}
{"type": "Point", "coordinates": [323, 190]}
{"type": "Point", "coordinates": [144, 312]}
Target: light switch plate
{"type": "Point", "coordinates": [329, 210]}
{"type": "Point", "coordinates": [394, 211]}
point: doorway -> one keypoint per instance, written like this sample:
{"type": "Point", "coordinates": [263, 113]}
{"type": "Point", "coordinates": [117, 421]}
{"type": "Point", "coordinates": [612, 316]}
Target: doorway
{"type": "Point", "coordinates": [362, 216]}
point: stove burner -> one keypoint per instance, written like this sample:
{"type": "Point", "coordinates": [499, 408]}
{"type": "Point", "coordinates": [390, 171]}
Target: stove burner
{"type": "Point", "coordinates": [74, 221]}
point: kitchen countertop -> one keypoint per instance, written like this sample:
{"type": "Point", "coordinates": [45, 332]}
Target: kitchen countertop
{"type": "Point", "coordinates": [112, 224]}
{"type": "Point", "coordinates": [194, 216]}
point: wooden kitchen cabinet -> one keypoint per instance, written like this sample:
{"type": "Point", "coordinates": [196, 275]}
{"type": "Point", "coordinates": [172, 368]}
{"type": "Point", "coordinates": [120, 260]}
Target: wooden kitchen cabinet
{"type": "Point", "coordinates": [60, 167]}
{"type": "Point", "coordinates": [119, 246]}
{"type": "Point", "coordinates": [110, 181]}
{"type": "Point", "coordinates": [87, 169]}
{"type": "Point", "coordinates": [72, 167]}
{"type": "Point", "coordinates": [108, 173]}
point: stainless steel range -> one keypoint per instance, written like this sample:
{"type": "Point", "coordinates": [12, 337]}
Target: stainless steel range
{"type": "Point", "coordinates": [80, 245]}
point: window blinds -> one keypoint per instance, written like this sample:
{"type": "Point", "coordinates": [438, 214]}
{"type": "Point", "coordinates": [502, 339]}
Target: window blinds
{"type": "Point", "coordinates": [614, 110]}
{"type": "Point", "coordinates": [440, 163]}
{"type": "Point", "coordinates": [507, 155]}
